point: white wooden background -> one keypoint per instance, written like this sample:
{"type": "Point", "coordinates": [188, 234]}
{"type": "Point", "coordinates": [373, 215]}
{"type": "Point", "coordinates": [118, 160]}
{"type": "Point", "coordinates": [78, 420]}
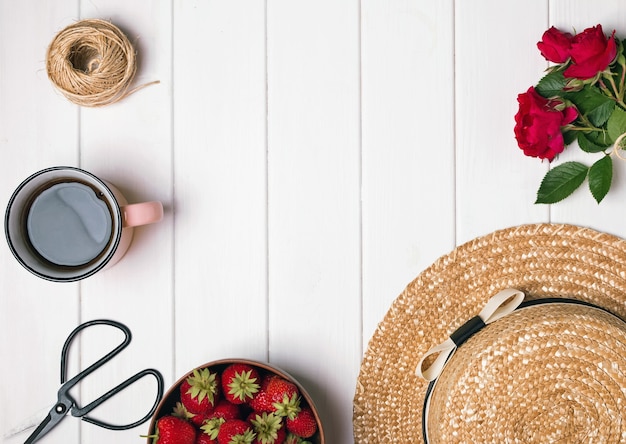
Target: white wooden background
{"type": "Point", "coordinates": [313, 157]}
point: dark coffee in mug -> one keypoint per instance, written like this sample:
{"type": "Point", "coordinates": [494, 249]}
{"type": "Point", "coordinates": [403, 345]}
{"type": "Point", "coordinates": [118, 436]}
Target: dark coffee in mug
{"type": "Point", "coordinates": [68, 224]}
{"type": "Point", "coordinates": [64, 224]}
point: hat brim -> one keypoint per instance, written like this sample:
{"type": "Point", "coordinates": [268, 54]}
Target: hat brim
{"type": "Point", "coordinates": [542, 260]}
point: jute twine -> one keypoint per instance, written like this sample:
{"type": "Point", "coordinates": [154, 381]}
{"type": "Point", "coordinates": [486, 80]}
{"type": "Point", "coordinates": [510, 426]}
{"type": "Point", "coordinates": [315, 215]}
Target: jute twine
{"type": "Point", "coordinates": [617, 146]}
{"type": "Point", "coordinates": [549, 373]}
{"type": "Point", "coordinates": [92, 63]}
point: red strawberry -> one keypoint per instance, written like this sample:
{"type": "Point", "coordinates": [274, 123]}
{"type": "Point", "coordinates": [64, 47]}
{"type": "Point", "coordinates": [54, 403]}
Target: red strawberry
{"type": "Point", "coordinates": [268, 428]}
{"type": "Point", "coordinates": [285, 397]}
{"type": "Point", "coordinates": [240, 382]}
{"type": "Point", "coordinates": [223, 411]}
{"type": "Point", "coordinates": [226, 410]}
{"type": "Point", "coordinates": [203, 438]}
{"type": "Point", "coordinates": [235, 431]}
{"type": "Point", "coordinates": [173, 430]}
{"type": "Point", "coordinates": [196, 419]}
{"type": "Point", "coordinates": [303, 424]}
{"type": "Point", "coordinates": [261, 402]}
{"type": "Point", "coordinates": [200, 392]}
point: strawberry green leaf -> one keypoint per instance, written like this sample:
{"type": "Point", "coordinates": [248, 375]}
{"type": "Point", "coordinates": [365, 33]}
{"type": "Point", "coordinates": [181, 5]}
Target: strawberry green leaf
{"type": "Point", "coordinates": [600, 176]}
{"type": "Point", "coordinates": [202, 384]}
{"type": "Point", "coordinates": [561, 181]}
{"type": "Point", "coordinates": [212, 427]}
{"type": "Point", "coordinates": [289, 407]}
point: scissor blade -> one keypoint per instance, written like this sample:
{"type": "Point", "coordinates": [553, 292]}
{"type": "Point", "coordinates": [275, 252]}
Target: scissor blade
{"type": "Point", "coordinates": [51, 420]}
{"type": "Point", "coordinates": [41, 430]}
{"type": "Point", "coordinates": [30, 423]}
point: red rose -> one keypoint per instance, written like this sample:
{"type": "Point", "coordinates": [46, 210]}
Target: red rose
{"type": "Point", "coordinates": [538, 125]}
{"type": "Point", "coordinates": [555, 45]}
{"type": "Point", "coordinates": [591, 53]}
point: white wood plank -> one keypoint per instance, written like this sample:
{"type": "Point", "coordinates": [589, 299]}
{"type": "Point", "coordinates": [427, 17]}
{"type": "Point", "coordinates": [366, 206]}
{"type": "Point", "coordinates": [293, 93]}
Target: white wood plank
{"type": "Point", "coordinates": [314, 209]}
{"type": "Point", "coordinates": [496, 59]}
{"type": "Point", "coordinates": [37, 130]}
{"type": "Point", "coordinates": [581, 208]}
{"type": "Point", "coordinates": [313, 157]}
{"type": "Point", "coordinates": [220, 182]}
{"type": "Point", "coordinates": [129, 143]}
{"type": "Point", "coordinates": [408, 146]}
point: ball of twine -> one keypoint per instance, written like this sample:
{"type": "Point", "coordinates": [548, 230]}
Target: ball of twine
{"type": "Point", "coordinates": [92, 63]}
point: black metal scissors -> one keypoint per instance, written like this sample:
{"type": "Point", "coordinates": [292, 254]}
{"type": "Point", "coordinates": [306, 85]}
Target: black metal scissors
{"type": "Point", "coordinates": [66, 404]}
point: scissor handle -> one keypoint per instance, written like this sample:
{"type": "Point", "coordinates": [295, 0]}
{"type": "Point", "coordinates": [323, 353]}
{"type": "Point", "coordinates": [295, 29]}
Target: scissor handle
{"type": "Point", "coordinates": [82, 411]}
{"type": "Point", "coordinates": [76, 410]}
{"type": "Point", "coordinates": [127, 338]}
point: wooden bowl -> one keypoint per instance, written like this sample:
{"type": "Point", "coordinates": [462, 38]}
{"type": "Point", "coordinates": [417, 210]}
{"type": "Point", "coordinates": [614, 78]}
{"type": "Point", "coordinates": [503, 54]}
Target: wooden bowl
{"type": "Point", "coordinates": [172, 396]}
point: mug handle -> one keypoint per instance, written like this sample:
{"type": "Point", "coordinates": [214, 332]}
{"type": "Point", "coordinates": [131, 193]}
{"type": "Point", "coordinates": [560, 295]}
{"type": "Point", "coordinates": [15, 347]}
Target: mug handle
{"type": "Point", "coordinates": [143, 213]}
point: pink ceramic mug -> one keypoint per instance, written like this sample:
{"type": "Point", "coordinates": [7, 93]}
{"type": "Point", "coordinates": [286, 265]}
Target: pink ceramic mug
{"type": "Point", "coordinates": [65, 224]}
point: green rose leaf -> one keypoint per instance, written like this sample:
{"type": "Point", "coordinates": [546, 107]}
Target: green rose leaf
{"type": "Point", "coordinates": [599, 138]}
{"type": "Point", "coordinates": [588, 144]}
{"type": "Point", "coordinates": [588, 99]}
{"type": "Point", "coordinates": [600, 176]}
{"type": "Point", "coordinates": [569, 137]}
{"type": "Point", "coordinates": [616, 126]}
{"type": "Point", "coordinates": [596, 106]}
{"type": "Point", "coordinates": [551, 85]}
{"type": "Point", "coordinates": [600, 114]}
{"type": "Point", "coordinates": [561, 181]}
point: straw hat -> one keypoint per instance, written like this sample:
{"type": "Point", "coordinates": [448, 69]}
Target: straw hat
{"type": "Point", "coordinates": [553, 370]}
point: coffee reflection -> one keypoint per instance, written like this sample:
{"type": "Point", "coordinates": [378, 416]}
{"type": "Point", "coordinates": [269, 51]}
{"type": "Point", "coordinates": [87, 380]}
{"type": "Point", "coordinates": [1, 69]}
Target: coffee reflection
{"type": "Point", "coordinates": [68, 225]}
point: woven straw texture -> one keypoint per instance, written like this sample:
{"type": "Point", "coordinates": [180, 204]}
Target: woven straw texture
{"type": "Point", "coordinates": [542, 260]}
{"type": "Point", "coordinates": [548, 373]}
